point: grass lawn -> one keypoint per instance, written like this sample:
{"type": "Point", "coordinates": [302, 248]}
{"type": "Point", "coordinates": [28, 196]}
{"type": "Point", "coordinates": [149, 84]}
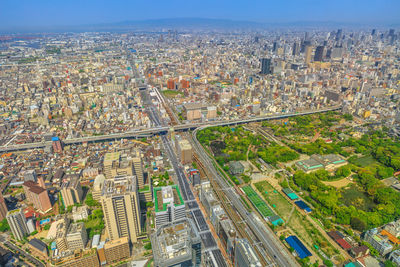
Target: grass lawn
{"type": "Point", "coordinates": [92, 223]}
{"type": "Point", "coordinates": [171, 93]}
{"type": "Point", "coordinates": [365, 161]}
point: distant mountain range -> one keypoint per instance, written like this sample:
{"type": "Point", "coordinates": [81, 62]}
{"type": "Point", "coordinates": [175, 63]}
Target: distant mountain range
{"type": "Point", "coordinates": [193, 23]}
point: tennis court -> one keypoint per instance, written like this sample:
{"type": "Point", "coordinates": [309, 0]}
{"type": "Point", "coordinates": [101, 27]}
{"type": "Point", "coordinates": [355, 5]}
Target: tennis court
{"type": "Point", "coordinates": [255, 199]}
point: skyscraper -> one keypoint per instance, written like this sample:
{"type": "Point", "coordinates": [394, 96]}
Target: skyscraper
{"type": "Point", "coordinates": [296, 48]}
{"type": "Point", "coordinates": [17, 222]}
{"type": "Point", "coordinates": [308, 52]}
{"type": "Point", "coordinates": [3, 207]}
{"type": "Point", "coordinates": [265, 66]}
{"type": "Point", "coordinates": [137, 168]}
{"type": "Point", "coordinates": [319, 53]}
{"type": "Point", "coordinates": [339, 34]}
{"type": "Point", "coordinates": [120, 202]}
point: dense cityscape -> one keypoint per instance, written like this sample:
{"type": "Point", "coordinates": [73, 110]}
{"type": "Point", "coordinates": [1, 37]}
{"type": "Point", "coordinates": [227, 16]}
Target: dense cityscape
{"type": "Point", "coordinates": [200, 148]}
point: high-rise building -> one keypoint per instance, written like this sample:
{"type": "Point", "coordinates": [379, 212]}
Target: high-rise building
{"type": "Point", "coordinates": [71, 191]}
{"type": "Point", "coordinates": [391, 32]}
{"type": "Point", "coordinates": [120, 202]}
{"type": "Point", "coordinates": [319, 53]}
{"type": "Point", "coordinates": [308, 52]}
{"type": "Point", "coordinates": [17, 222]}
{"type": "Point", "coordinates": [296, 49]}
{"type": "Point", "coordinates": [3, 207]}
{"type": "Point", "coordinates": [176, 244]}
{"type": "Point", "coordinates": [98, 186]}
{"type": "Point", "coordinates": [76, 237]}
{"type": "Point", "coordinates": [265, 66]}
{"type": "Point", "coordinates": [37, 195]}
{"type": "Point", "coordinates": [373, 32]}
{"type": "Point", "coordinates": [339, 34]}
{"type": "Point", "coordinates": [245, 255]}
{"type": "Point", "coordinates": [138, 168]}
{"type": "Point", "coordinates": [169, 205]}
{"type": "Point", "coordinates": [30, 175]}
{"type": "Point", "coordinates": [336, 53]}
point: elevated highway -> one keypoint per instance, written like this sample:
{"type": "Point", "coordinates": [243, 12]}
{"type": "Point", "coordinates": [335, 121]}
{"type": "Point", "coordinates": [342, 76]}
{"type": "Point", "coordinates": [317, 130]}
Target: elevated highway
{"type": "Point", "coordinates": [161, 130]}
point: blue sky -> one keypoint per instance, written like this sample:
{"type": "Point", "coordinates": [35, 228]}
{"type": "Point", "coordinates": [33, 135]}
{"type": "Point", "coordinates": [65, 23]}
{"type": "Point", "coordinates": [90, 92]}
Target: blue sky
{"type": "Point", "coordinates": [33, 13]}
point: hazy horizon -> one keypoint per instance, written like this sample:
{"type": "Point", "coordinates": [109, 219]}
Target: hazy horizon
{"type": "Point", "coordinates": [47, 14]}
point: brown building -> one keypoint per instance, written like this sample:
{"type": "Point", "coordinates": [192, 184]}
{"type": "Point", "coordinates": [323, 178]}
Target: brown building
{"type": "Point", "coordinates": [79, 259]}
{"type": "Point", "coordinates": [117, 250]}
{"type": "Point", "coordinates": [37, 195]}
{"type": "Point", "coordinates": [308, 52]}
{"type": "Point", "coordinates": [71, 192]}
{"type": "Point", "coordinates": [3, 207]}
{"type": "Point", "coordinates": [171, 84]}
{"type": "Point", "coordinates": [185, 151]}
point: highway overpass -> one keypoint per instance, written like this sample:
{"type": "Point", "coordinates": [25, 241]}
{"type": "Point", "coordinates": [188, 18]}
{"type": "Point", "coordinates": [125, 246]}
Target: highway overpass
{"type": "Point", "coordinates": [161, 130]}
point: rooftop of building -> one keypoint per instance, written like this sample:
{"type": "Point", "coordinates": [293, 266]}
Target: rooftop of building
{"type": "Point", "coordinates": [13, 212]}
{"type": "Point", "coordinates": [116, 242]}
{"type": "Point", "coordinates": [34, 187]}
{"type": "Point", "coordinates": [167, 195]}
{"type": "Point", "coordinates": [119, 185]}
{"type": "Point", "coordinates": [38, 244]}
{"type": "Point", "coordinates": [75, 228]}
{"type": "Point", "coordinates": [248, 252]}
{"type": "Point", "coordinates": [175, 239]}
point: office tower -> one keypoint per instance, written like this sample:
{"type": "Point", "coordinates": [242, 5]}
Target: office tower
{"type": "Point", "coordinates": [391, 32]}
{"type": "Point", "coordinates": [98, 186]}
{"type": "Point", "coordinates": [373, 32]}
{"type": "Point", "coordinates": [339, 34]}
{"type": "Point", "coordinates": [120, 202]}
{"type": "Point", "coordinates": [71, 192]}
{"type": "Point", "coordinates": [306, 36]}
{"type": "Point", "coordinates": [245, 255]}
{"type": "Point", "coordinates": [265, 66]}
{"type": "Point", "coordinates": [76, 237]}
{"type": "Point", "coordinates": [308, 52]}
{"type": "Point", "coordinates": [30, 175]}
{"type": "Point", "coordinates": [176, 244]}
{"type": "Point", "coordinates": [137, 167]}
{"type": "Point", "coordinates": [37, 195]}
{"type": "Point", "coordinates": [256, 39]}
{"type": "Point", "coordinates": [319, 53]}
{"type": "Point", "coordinates": [169, 205]}
{"type": "Point", "coordinates": [117, 250]}
{"type": "Point", "coordinates": [275, 46]}
{"type": "Point", "coordinates": [336, 53]}
{"type": "Point", "coordinates": [3, 207]}
{"type": "Point", "coordinates": [17, 222]}
{"type": "Point", "coordinates": [296, 49]}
